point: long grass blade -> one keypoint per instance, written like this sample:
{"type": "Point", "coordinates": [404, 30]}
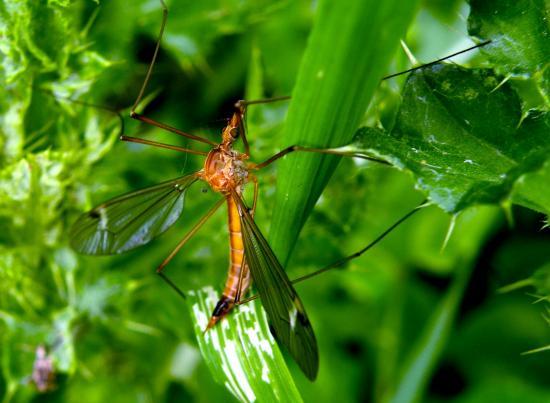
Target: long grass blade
{"type": "Point", "coordinates": [348, 52]}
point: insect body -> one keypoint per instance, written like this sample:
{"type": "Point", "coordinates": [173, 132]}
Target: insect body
{"type": "Point", "coordinates": [134, 219]}
{"type": "Point", "coordinates": [226, 171]}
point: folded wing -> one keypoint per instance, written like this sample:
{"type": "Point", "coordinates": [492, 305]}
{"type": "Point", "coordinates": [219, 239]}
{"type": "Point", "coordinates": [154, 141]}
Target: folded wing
{"type": "Point", "coordinates": [288, 319]}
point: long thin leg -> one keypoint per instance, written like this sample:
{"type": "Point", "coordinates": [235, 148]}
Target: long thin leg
{"type": "Point", "coordinates": [161, 145]}
{"type": "Point", "coordinates": [333, 151]}
{"type": "Point", "coordinates": [241, 106]}
{"type": "Point", "coordinates": [244, 270]}
{"type": "Point", "coordinates": [479, 45]}
{"type": "Point", "coordinates": [242, 273]}
{"type": "Point", "coordinates": [188, 236]}
{"type": "Point", "coordinates": [153, 60]}
{"type": "Point", "coordinates": [275, 157]}
{"type": "Point", "coordinates": [130, 138]}
{"type": "Point", "coordinates": [144, 119]}
{"type": "Point", "coordinates": [346, 259]}
{"type": "Point", "coordinates": [168, 128]}
{"type": "Point", "coordinates": [244, 103]}
{"type": "Point", "coordinates": [256, 191]}
{"type": "Point", "coordinates": [242, 128]}
{"type": "Point", "coordinates": [160, 269]}
{"type": "Point", "coordinates": [171, 284]}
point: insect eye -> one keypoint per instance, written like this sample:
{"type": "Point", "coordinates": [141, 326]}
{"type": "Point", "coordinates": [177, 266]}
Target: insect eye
{"type": "Point", "coordinates": [234, 132]}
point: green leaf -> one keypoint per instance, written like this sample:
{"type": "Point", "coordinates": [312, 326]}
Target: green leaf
{"type": "Point", "coordinates": [427, 349]}
{"type": "Point", "coordinates": [520, 31]}
{"type": "Point", "coordinates": [463, 138]}
{"type": "Point", "coordinates": [540, 280]}
{"type": "Point", "coordinates": [36, 53]}
{"type": "Point", "coordinates": [348, 52]}
{"type": "Point", "coordinates": [46, 147]}
{"type": "Point", "coordinates": [240, 351]}
{"type": "Point", "coordinates": [530, 190]}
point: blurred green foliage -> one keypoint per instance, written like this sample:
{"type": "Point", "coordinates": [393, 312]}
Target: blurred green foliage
{"type": "Point", "coordinates": [405, 321]}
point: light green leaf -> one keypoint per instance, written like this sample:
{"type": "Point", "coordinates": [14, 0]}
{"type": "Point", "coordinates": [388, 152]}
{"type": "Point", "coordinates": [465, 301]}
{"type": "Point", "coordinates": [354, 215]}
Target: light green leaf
{"type": "Point", "coordinates": [240, 351]}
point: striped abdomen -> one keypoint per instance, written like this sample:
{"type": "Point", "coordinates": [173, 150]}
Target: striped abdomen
{"type": "Point", "coordinates": [238, 278]}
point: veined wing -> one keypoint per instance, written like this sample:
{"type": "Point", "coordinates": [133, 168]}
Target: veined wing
{"type": "Point", "coordinates": [130, 220]}
{"type": "Point", "coordinates": [284, 308]}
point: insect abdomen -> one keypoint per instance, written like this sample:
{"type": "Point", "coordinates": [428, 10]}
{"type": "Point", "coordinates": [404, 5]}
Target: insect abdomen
{"type": "Point", "coordinates": [238, 277]}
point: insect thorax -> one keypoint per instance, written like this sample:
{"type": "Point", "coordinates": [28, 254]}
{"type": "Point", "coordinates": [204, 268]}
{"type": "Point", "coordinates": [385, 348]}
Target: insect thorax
{"type": "Point", "coordinates": [225, 170]}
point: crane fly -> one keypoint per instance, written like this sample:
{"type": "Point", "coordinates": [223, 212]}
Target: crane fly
{"type": "Point", "coordinates": [134, 219]}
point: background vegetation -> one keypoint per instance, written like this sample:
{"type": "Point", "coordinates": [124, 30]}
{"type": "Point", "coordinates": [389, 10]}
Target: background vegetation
{"type": "Point", "coordinates": [419, 317]}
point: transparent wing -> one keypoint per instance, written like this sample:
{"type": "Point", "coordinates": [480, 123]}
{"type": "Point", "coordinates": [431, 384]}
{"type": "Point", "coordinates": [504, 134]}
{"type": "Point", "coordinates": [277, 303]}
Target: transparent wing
{"type": "Point", "coordinates": [288, 319]}
{"type": "Point", "coordinates": [130, 220]}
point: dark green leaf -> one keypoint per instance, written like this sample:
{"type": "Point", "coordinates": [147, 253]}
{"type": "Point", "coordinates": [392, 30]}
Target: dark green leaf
{"type": "Point", "coordinates": [520, 31]}
{"type": "Point", "coordinates": [530, 190]}
{"type": "Point", "coordinates": [463, 137]}
{"type": "Point", "coordinates": [428, 348]}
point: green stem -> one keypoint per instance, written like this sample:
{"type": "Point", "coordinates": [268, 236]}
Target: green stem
{"type": "Point", "coordinates": [515, 286]}
{"type": "Point", "coordinates": [424, 356]}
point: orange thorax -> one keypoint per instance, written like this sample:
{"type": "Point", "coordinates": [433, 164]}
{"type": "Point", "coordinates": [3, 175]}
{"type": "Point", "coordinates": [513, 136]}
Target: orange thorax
{"type": "Point", "coordinates": [225, 169]}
